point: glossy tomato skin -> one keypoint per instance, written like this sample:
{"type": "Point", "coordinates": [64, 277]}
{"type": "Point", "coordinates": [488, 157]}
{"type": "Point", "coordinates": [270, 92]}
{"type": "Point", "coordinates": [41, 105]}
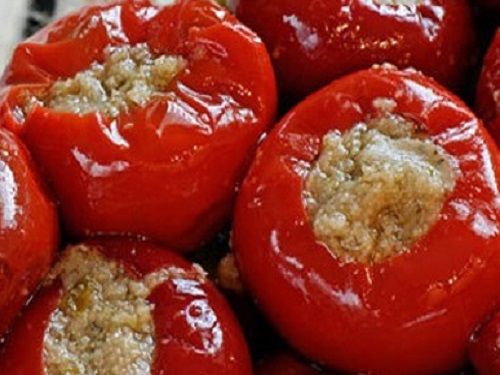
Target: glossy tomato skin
{"type": "Point", "coordinates": [313, 42]}
{"type": "Point", "coordinates": [285, 364]}
{"type": "Point", "coordinates": [28, 228]}
{"type": "Point", "coordinates": [485, 349]}
{"type": "Point", "coordinates": [167, 171]}
{"type": "Point", "coordinates": [412, 314]}
{"type": "Point", "coordinates": [488, 92]}
{"type": "Point", "coordinates": [195, 330]}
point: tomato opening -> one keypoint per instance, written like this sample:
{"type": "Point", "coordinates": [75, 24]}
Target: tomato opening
{"type": "Point", "coordinates": [104, 320]}
{"type": "Point", "coordinates": [377, 188]}
{"type": "Point", "coordinates": [129, 76]}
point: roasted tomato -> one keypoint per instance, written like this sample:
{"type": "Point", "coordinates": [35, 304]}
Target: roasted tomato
{"type": "Point", "coordinates": [313, 42]}
{"type": "Point", "coordinates": [485, 349]}
{"type": "Point", "coordinates": [114, 307]}
{"type": "Point", "coordinates": [142, 117]}
{"type": "Point", "coordinates": [373, 212]}
{"type": "Point", "coordinates": [286, 364]}
{"type": "Point", "coordinates": [488, 92]}
{"type": "Point", "coordinates": [28, 228]}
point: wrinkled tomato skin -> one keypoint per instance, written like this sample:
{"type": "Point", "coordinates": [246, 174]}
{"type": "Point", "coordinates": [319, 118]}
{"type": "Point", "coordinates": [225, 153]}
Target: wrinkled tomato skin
{"type": "Point", "coordinates": [167, 171]}
{"type": "Point", "coordinates": [313, 42]}
{"type": "Point", "coordinates": [195, 330]}
{"type": "Point", "coordinates": [285, 364]}
{"type": "Point", "coordinates": [485, 349]}
{"type": "Point", "coordinates": [28, 228]}
{"type": "Point", "coordinates": [411, 314]}
{"type": "Point", "coordinates": [488, 92]}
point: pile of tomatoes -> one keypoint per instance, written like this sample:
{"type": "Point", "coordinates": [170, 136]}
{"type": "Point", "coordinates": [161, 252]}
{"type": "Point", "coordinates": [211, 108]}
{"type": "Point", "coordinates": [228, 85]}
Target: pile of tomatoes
{"type": "Point", "coordinates": [171, 179]}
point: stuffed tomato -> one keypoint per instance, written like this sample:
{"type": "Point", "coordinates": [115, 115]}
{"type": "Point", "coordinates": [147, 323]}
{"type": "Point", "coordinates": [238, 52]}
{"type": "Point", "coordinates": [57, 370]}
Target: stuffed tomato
{"type": "Point", "coordinates": [368, 227]}
{"type": "Point", "coordinates": [488, 92]}
{"type": "Point", "coordinates": [119, 307]}
{"type": "Point", "coordinates": [28, 228]}
{"type": "Point", "coordinates": [142, 117]}
{"type": "Point", "coordinates": [313, 42]}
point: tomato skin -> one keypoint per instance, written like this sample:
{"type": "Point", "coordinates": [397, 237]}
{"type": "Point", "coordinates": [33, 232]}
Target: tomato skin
{"type": "Point", "coordinates": [28, 228]}
{"type": "Point", "coordinates": [313, 42]}
{"type": "Point", "coordinates": [485, 349]}
{"type": "Point", "coordinates": [412, 314]}
{"type": "Point", "coordinates": [285, 364]}
{"type": "Point", "coordinates": [195, 330]}
{"type": "Point", "coordinates": [167, 171]}
{"type": "Point", "coordinates": [488, 97]}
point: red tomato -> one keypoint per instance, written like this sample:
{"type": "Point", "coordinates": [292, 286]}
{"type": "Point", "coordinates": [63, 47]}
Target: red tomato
{"type": "Point", "coordinates": [28, 228]}
{"type": "Point", "coordinates": [314, 42]}
{"type": "Point", "coordinates": [285, 364]}
{"type": "Point", "coordinates": [488, 92]}
{"type": "Point", "coordinates": [195, 330]}
{"type": "Point", "coordinates": [485, 349]}
{"type": "Point", "coordinates": [410, 314]}
{"type": "Point", "coordinates": [167, 171]}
